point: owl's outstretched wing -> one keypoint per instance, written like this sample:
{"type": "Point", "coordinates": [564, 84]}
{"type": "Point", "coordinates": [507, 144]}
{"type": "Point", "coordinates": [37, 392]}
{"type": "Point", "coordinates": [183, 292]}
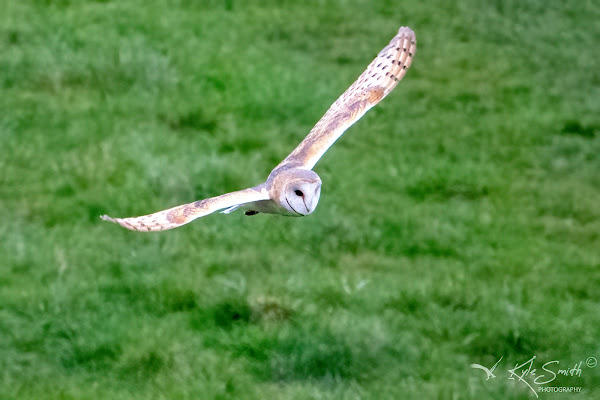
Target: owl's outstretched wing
{"type": "Point", "coordinates": [180, 215]}
{"type": "Point", "coordinates": [378, 80]}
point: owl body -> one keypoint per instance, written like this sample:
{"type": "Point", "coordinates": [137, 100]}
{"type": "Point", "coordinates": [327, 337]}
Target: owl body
{"type": "Point", "coordinates": [267, 207]}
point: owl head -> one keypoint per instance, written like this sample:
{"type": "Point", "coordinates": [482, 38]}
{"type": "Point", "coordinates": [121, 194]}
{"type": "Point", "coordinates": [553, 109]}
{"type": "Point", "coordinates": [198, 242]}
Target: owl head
{"type": "Point", "coordinates": [297, 191]}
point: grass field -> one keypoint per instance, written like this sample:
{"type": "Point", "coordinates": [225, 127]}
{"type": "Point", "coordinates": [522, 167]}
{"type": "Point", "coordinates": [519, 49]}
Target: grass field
{"type": "Point", "coordinates": [459, 220]}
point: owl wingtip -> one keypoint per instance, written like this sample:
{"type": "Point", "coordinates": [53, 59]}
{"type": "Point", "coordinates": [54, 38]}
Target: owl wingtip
{"type": "Point", "coordinates": [406, 30]}
{"type": "Point", "coordinates": [105, 217]}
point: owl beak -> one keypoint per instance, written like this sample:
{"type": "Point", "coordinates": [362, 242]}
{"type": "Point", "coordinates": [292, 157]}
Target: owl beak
{"type": "Point", "coordinates": [304, 201]}
{"type": "Point", "coordinates": [314, 200]}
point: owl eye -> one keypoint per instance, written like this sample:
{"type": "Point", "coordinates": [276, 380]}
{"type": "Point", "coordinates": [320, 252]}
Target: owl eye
{"type": "Point", "coordinates": [299, 193]}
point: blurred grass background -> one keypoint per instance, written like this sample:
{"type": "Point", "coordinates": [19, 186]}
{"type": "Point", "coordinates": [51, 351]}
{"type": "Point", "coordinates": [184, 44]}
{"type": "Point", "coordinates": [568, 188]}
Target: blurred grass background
{"type": "Point", "coordinates": [459, 220]}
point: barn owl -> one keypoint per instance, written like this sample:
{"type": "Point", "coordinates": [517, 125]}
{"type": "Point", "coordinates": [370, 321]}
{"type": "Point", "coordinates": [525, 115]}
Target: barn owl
{"type": "Point", "coordinates": [293, 188]}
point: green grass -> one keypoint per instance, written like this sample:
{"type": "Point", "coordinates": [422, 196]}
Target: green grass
{"type": "Point", "coordinates": [459, 220]}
